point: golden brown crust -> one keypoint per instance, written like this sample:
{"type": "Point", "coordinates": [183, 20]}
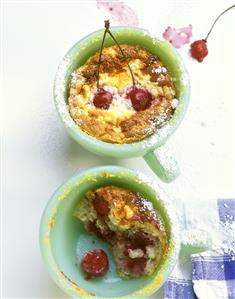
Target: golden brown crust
{"type": "Point", "coordinates": [130, 126]}
{"type": "Point", "coordinates": [148, 120]}
{"type": "Point", "coordinates": [126, 205]}
{"type": "Point", "coordinates": [112, 64]}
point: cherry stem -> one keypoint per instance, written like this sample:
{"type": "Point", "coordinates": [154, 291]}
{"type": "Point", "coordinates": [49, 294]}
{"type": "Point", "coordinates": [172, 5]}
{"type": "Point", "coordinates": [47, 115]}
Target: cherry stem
{"type": "Point", "coordinates": [220, 15]}
{"type": "Point", "coordinates": [107, 25]}
{"type": "Point", "coordinates": [123, 54]}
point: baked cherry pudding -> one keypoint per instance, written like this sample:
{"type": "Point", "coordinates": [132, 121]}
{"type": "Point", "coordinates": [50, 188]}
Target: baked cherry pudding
{"type": "Point", "coordinates": [130, 224]}
{"type": "Point", "coordinates": [121, 94]}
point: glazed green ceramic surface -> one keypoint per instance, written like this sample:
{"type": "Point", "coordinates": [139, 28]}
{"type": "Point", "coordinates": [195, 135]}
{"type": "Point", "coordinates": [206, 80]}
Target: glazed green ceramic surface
{"type": "Point", "coordinates": [78, 55]}
{"type": "Point", "coordinates": [63, 238]}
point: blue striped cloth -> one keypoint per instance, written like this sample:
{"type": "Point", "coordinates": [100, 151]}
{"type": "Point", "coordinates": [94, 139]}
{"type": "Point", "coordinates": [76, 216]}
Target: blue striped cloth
{"type": "Point", "coordinates": [212, 276]}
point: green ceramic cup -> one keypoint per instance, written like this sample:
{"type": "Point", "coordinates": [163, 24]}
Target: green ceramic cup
{"type": "Point", "coordinates": [63, 237]}
{"type": "Point", "coordinates": [165, 168]}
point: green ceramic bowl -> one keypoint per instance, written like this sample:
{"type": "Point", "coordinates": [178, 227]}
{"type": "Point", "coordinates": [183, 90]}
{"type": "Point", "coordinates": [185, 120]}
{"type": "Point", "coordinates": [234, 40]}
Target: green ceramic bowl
{"type": "Point", "coordinates": [62, 236]}
{"type": "Point", "coordinates": [78, 55]}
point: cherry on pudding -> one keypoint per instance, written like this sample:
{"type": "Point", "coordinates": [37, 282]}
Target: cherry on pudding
{"type": "Point", "coordinates": [141, 98]}
{"type": "Point", "coordinates": [102, 99]}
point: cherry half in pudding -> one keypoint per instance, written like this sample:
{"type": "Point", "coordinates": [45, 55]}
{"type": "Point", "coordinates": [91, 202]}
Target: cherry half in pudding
{"type": "Point", "coordinates": [102, 99]}
{"type": "Point", "coordinates": [141, 98]}
{"type": "Point", "coordinates": [131, 226]}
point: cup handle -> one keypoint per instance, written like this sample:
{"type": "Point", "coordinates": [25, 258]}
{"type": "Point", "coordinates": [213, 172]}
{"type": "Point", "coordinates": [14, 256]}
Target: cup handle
{"type": "Point", "coordinates": [162, 164]}
{"type": "Point", "coordinates": [195, 241]}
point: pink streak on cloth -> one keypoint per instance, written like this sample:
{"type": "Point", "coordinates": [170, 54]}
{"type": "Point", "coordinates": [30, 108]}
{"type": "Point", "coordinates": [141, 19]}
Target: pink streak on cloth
{"type": "Point", "coordinates": [178, 37]}
{"type": "Point", "coordinates": [119, 12]}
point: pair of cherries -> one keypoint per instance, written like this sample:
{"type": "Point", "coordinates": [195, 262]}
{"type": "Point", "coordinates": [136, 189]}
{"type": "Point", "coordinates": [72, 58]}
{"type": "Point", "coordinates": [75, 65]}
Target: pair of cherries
{"type": "Point", "coordinates": [141, 98]}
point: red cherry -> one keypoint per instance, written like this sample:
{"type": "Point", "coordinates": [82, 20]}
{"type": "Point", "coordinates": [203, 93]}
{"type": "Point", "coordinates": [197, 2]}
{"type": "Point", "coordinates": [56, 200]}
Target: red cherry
{"type": "Point", "coordinates": [199, 50]}
{"type": "Point", "coordinates": [95, 263]}
{"type": "Point", "coordinates": [102, 99]}
{"type": "Point", "coordinates": [141, 98]}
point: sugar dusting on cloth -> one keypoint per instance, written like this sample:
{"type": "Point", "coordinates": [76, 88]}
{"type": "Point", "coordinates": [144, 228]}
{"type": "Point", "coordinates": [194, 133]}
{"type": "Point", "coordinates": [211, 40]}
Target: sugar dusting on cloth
{"type": "Point", "coordinates": [210, 274]}
{"type": "Point", "coordinates": [226, 239]}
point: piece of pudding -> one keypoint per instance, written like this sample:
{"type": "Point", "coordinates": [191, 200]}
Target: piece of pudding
{"type": "Point", "coordinates": [130, 224]}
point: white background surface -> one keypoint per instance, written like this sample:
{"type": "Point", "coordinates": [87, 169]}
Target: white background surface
{"type": "Point", "coordinates": [37, 153]}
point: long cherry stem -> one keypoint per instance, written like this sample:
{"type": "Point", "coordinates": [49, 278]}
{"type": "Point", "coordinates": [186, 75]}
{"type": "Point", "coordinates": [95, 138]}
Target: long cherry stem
{"type": "Point", "coordinates": [220, 15]}
{"type": "Point", "coordinates": [107, 25]}
{"type": "Point", "coordinates": [101, 49]}
{"type": "Point", "coordinates": [123, 54]}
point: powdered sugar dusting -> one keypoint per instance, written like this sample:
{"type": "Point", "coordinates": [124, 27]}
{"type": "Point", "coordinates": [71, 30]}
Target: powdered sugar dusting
{"type": "Point", "coordinates": [164, 157]}
{"type": "Point", "coordinates": [174, 103]}
{"type": "Point", "coordinates": [119, 12]}
{"type": "Point", "coordinates": [222, 234]}
{"type": "Point", "coordinates": [74, 78]}
{"type": "Point", "coordinates": [198, 238]}
{"type": "Point", "coordinates": [60, 89]}
{"type": "Point", "coordinates": [121, 104]}
{"type": "Point", "coordinates": [178, 37]}
{"type": "Point", "coordinates": [159, 70]}
{"type": "Point", "coordinates": [224, 239]}
{"type": "Point", "coordinates": [162, 196]}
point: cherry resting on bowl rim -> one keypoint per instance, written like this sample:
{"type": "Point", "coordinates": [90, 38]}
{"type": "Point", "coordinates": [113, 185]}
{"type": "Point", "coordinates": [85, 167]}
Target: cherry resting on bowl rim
{"type": "Point", "coordinates": [141, 98]}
